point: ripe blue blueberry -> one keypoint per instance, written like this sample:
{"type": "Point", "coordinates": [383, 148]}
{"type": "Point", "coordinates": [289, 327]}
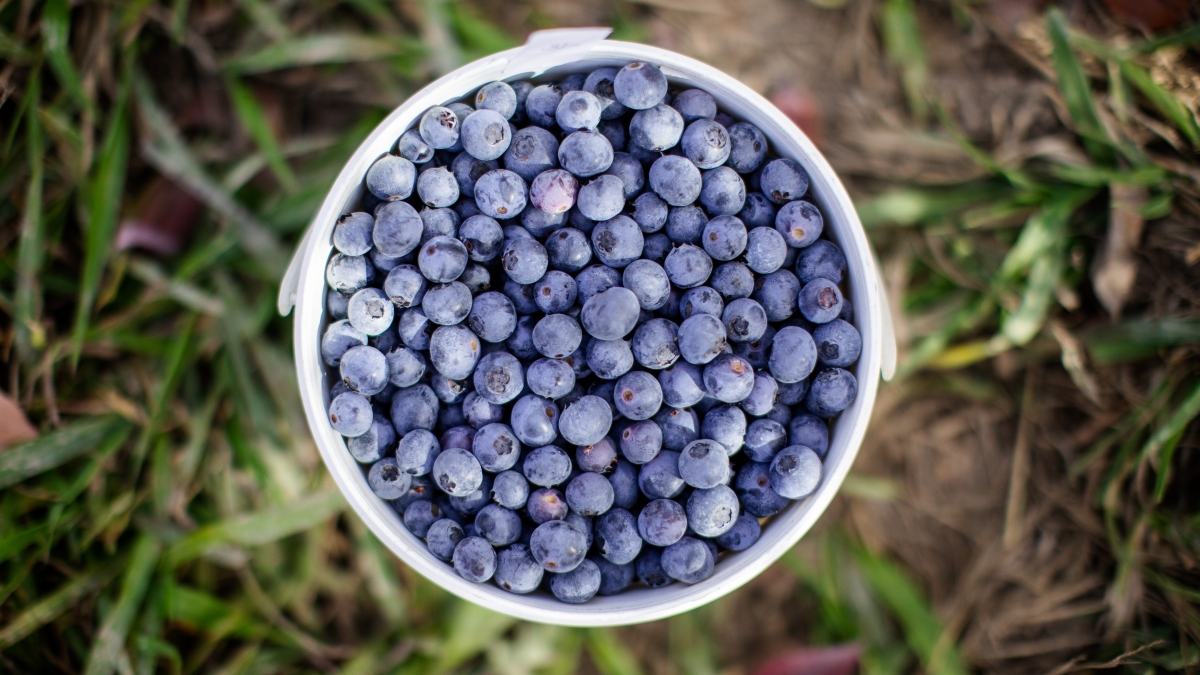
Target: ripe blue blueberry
{"type": "Point", "coordinates": [639, 86]}
{"type": "Point", "coordinates": [650, 570]}
{"type": "Point", "coordinates": [724, 237]}
{"type": "Point", "coordinates": [611, 314]}
{"type": "Point", "coordinates": [414, 148]}
{"type": "Point", "coordinates": [339, 338]}
{"type": "Point", "coordinates": [704, 463]}
{"type": "Point", "coordinates": [586, 421]}
{"type": "Point", "coordinates": [468, 170]}
{"type": "Point", "coordinates": [546, 466]}
{"type": "Point", "coordinates": [617, 538]}
{"type": "Point", "coordinates": [745, 320]}
{"type": "Point", "coordinates": [499, 378]}
{"type": "Point", "coordinates": [820, 300]}
{"type": "Point", "coordinates": [753, 487]}
{"type": "Point", "coordinates": [578, 110]}
{"type": "Point", "coordinates": [335, 304]}
{"type": "Point", "coordinates": [438, 221]}
{"type": "Point", "coordinates": [557, 546]}
{"type": "Point", "coordinates": [387, 481]}
{"type": "Point", "coordinates": [838, 343]}
{"type": "Point", "coordinates": [688, 266]}
{"type": "Point", "coordinates": [742, 535]}
{"type": "Point", "coordinates": [535, 421]}
{"type": "Point", "coordinates": [778, 293]}
{"type": "Point", "coordinates": [649, 282]}
{"type": "Point", "coordinates": [542, 103]}
{"type": "Point", "coordinates": [599, 457]}
{"type": "Point", "coordinates": [800, 223]}
{"type": "Point", "coordinates": [550, 378]}
{"type": "Point", "coordinates": [685, 224]}
{"type": "Point", "coordinates": [568, 250]}
{"type": "Point", "coordinates": [521, 296]}
{"type": "Point", "coordinates": [682, 385]}
{"type": "Point", "coordinates": [454, 351]}
{"type": "Point", "coordinates": [391, 178]}
{"type": "Point", "coordinates": [650, 212]}
{"type": "Point", "coordinates": [596, 279]}
{"type": "Point", "coordinates": [832, 391]}
{"type": "Point", "coordinates": [439, 127]}
{"type": "Point", "coordinates": [532, 151]}
{"type": "Point", "coordinates": [655, 344]}
{"type": "Point", "coordinates": [437, 187]}
{"type": "Point", "coordinates": [517, 571]}
{"type": "Point", "coordinates": [510, 489]}
{"type": "Point", "coordinates": [810, 431]}
{"type": "Point", "coordinates": [793, 355]}
{"type": "Point", "coordinates": [602, 198]}
{"type": "Point", "coordinates": [364, 370]}
{"type": "Point", "coordinates": [722, 191]}
{"type": "Point", "coordinates": [609, 359]}
{"type": "Point", "coordinates": [729, 378]}
{"type": "Point", "coordinates": [662, 522]}
{"type": "Point", "coordinates": [442, 537]}
{"type": "Point", "coordinates": [762, 397]}
{"type": "Point", "coordinates": [758, 211]}
{"type": "Point", "coordinates": [501, 194]}
{"type": "Point", "coordinates": [375, 443]}
{"type": "Point", "coordinates": [701, 338]}
{"type": "Point", "coordinates": [706, 143]}
{"type": "Point", "coordinates": [346, 274]}
{"type": "Point", "coordinates": [500, 526]}
{"type": "Point", "coordinates": [614, 131]}
{"type": "Point", "coordinates": [405, 286]}
{"type": "Point", "coordinates": [417, 451]}
{"type": "Point", "coordinates": [554, 191]}
{"type": "Point", "coordinates": [795, 472]}
{"type": "Point", "coordinates": [585, 153]}
{"type": "Point", "coordinates": [711, 512]}
{"type": "Point", "coordinates": [732, 280]}
{"type": "Point", "coordinates": [398, 229]}
{"type": "Point", "coordinates": [638, 396]}
{"type": "Point", "coordinates": [577, 586]}
{"type": "Point", "coordinates": [525, 260]}
{"type": "Point", "coordinates": [557, 336]}
{"type": "Point", "coordinates": [631, 174]}
{"type": "Point", "coordinates": [725, 424]}
{"type": "Point", "coordinates": [420, 515]}
{"type": "Point", "coordinates": [457, 473]}
{"type": "Point", "coordinates": [600, 83]}
{"type": "Point", "coordinates": [589, 494]}
{"type": "Point", "coordinates": [688, 560]}
{"type": "Point", "coordinates": [492, 317]}
{"type": "Point", "coordinates": [784, 180]}
{"type": "Point", "coordinates": [821, 260]}
{"type": "Point", "coordinates": [659, 478]}
{"type": "Point", "coordinates": [352, 234]}
{"type": "Point", "coordinates": [748, 147]}
{"type": "Point", "coordinates": [350, 414]}
{"type": "Point", "coordinates": [765, 438]}
{"type": "Point", "coordinates": [474, 559]}
{"type": "Point", "coordinates": [447, 304]}
{"type": "Point", "coordinates": [656, 129]}
{"type": "Point", "coordinates": [497, 96]}
{"type": "Point", "coordinates": [641, 441]}
{"type": "Point", "coordinates": [614, 578]}
{"type": "Point", "coordinates": [482, 237]}
{"type": "Point", "coordinates": [701, 300]}
{"type": "Point", "coordinates": [555, 292]}
{"type": "Point", "coordinates": [695, 104]}
{"type": "Point", "coordinates": [676, 180]}
{"type": "Point", "coordinates": [442, 259]}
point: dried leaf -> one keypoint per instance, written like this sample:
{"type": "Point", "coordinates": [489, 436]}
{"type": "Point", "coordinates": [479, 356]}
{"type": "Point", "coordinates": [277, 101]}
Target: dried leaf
{"type": "Point", "coordinates": [837, 660]}
{"type": "Point", "coordinates": [1116, 268]}
{"type": "Point", "coordinates": [14, 427]}
{"type": "Point", "coordinates": [164, 218]}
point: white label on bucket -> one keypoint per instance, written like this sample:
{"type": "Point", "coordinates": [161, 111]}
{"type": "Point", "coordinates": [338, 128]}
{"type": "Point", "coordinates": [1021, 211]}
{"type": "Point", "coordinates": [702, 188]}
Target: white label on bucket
{"type": "Point", "coordinates": [556, 39]}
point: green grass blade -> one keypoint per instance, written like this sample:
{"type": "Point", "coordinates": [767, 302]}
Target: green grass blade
{"type": "Point", "coordinates": [14, 542]}
{"type": "Point", "coordinates": [59, 447]}
{"type": "Point", "coordinates": [1166, 102]}
{"type": "Point", "coordinates": [55, 604]}
{"type": "Point", "coordinates": [1187, 38]}
{"type": "Point", "coordinates": [1182, 416]}
{"type": "Point", "coordinates": [1076, 91]}
{"type": "Point", "coordinates": [478, 36]}
{"type": "Point", "coordinates": [110, 640]}
{"type": "Point", "coordinates": [197, 608]}
{"type": "Point", "coordinates": [254, 119]}
{"type": "Point", "coordinates": [56, 33]}
{"type": "Point", "coordinates": [261, 527]}
{"type": "Point", "coordinates": [922, 630]}
{"type": "Point", "coordinates": [315, 50]}
{"type": "Point", "coordinates": [472, 630]}
{"type": "Point", "coordinates": [1136, 340]}
{"type": "Point", "coordinates": [104, 207]}
{"type": "Point", "coordinates": [902, 40]}
{"type": "Point", "coordinates": [30, 334]}
{"type": "Point", "coordinates": [609, 655]}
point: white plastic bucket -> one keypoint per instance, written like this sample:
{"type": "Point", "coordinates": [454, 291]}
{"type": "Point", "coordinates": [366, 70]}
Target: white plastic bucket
{"type": "Point", "coordinates": [556, 53]}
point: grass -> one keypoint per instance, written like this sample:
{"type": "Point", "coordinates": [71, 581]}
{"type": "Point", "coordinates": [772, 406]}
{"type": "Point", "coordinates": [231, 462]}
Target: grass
{"type": "Point", "coordinates": [173, 515]}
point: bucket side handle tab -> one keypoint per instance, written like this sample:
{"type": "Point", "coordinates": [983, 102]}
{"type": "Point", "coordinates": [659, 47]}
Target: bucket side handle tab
{"type": "Point", "coordinates": [541, 42]}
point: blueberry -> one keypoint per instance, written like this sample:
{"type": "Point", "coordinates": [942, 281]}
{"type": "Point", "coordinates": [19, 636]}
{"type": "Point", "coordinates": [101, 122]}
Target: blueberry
{"type": "Point", "coordinates": [649, 283]}
{"type": "Point", "coordinates": [765, 253]}
{"type": "Point", "coordinates": [486, 135]}
{"type": "Point", "coordinates": [525, 260]}
{"type": "Point", "coordinates": [656, 129]}
{"type": "Point", "coordinates": [599, 457]}
{"type": "Point", "coordinates": [375, 443]}
{"type": "Point", "coordinates": [532, 151]}
{"type": "Point", "coordinates": [497, 96]}
{"type": "Point", "coordinates": [437, 187]}
{"type": "Point", "coordinates": [602, 198]}
{"type": "Point", "coordinates": [832, 391]}
{"type": "Point", "coordinates": [501, 194]}
{"type": "Point", "coordinates": [729, 378]}
{"type": "Point", "coordinates": [688, 560]}
{"type": "Point", "coordinates": [551, 378]}
{"type": "Point", "coordinates": [364, 370]}
{"type": "Point", "coordinates": [609, 359]}
{"type": "Point", "coordinates": [659, 478]}
{"type": "Point", "coordinates": [682, 385]}
{"type": "Point", "coordinates": [499, 378]}
{"type": "Point", "coordinates": [726, 425]}
{"type": "Point", "coordinates": [641, 441]}
{"type": "Point", "coordinates": [447, 304]}
{"type": "Point", "coordinates": [722, 191]}
{"type": "Point", "coordinates": [732, 280]}
{"type": "Point", "coordinates": [557, 546]}
{"type": "Point", "coordinates": [446, 389]}
{"type": "Point", "coordinates": [450, 416]}
{"type": "Point", "coordinates": [387, 481]}
{"type": "Point", "coordinates": [639, 86]}
{"type": "Point", "coordinates": [510, 489]}
{"type": "Point", "coordinates": [596, 279]}
{"type": "Point", "coordinates": [474, 559]}
{"type": "Point", "coordinates": [352, 234]}
{"type": "Point", "coordinates": [701, 338]}
{"type": "Point", "coordinates": [745, 320]}
{"type": "Point", "coordinates": [611, 314]}
{"type": "Point", "coordinates": [540, 224]}
{"type": "Point", "coordinates": [555, 292]}
{"type": "Point", "coordinates": [500, 526]}
{"type": "Point", "coordinates": [442, 537]}
{"type": "Point", "coordinates": [820, 300]}
{"type": "Point", "coordinates": [704, 463]}
{"type": "Point", "coordinates": [347, 274]}
{"type": "Point", "coordinates": [517, 571]}
{"type": "Point", "coordinates": [614, 578]}
{"type": "Point", "coordinates": [568, 250]}
{"type": "Point", "coordinates": [650, 570]}
{"type": "Point", "coordinates": [542, 104]}
{"type": "Point", "coordinates": [810, 431]}
{"type": "Point", "coordinates": [695, 104]}
{"type": "Point", "coordinates": [783, 180]}
{"type": "Point", "coordinates": [577, 586]}
{"type": "Point", "coordinates": [764, 438]}
{"type": "Point", "coordinates": [762, 397]}
{"type": "Point", "coordinates": [578, 110]}
{"type": "Point", "coordinates": [391, 178]}
{"type": "Point", "coordinates": [579, 221]}
{"type": "Point", "coordinates": [416, 330]}
{"type": "Point", "coordinates": [557, 336]}
{"type": "Point", "coordinates": [350, 414]}
{"type": "Point", "coordinates": [795, 472]}
{"type": "Point", "coordinates": [650, 212]}
{"type": "Point", "coordinates": [461, 437]}
{"type": "Point", "coordinates": [335, 304]}
{"type": "Point", "coordinates": [706, 143]}
{"type": "Point", "coordinates": [454, 351]}
{"type": "Point", "coordinates": [468, 170]}
{"type": "Point", "coordinates": [821, 260]}
{"type": "Point", "coordinates": [623, 480]}
{"type": "Point", "coordinates": [585, 153]}
{"type": "Point", "coordinates": [521, 296]}
{"type": "Point", "coordinates": [646, 157]}
{"type": "Point", "coordinates": [600, 83]}
{"type": "Point", "coordinates": [590, 494]}
{"type": "Point", "coordinates": [405, 286]}
{"type": "Point", "coordinates": [442, 259]}
{"type": "Point", "coordinates": [793, 355]}
{"type": "Point", "coordinates": [629, 171]}
{"type": "Point", "coordinates": [617, 538]}
{"type": "Point", "coordinates": [742, 535]}
{"type": "Point", "coordinates": [520, 343]}
{"type": "Point", "coordinates": [420, 515]}
{"type": "Point", "coordinates": [662, 522]}
{"type": "Point", "coordinates": [701, 300]}
{"type": "Point", "coordinates": [688, 266]}
{"type": "Point", "coordinates": [685, 224]}
{"type": "Point", "coordinates": [614, 131]}
{"type": "Point", "coordinates": [482, 237]}
{"type": "Point", "coordinates": [414, 407]}
{"type": "Point", "coordinates": [398, 229]}
{"type": "Point", "coordinates": [753, 487]}
{"type": "Point", "coordinates": [748, 147]}
{"type": "Point", "coordinates": [535, 421]}
{"type": "Point", "coordinates": [554, 191]}
{"type": "Point", "coordinates": [457, 473]}
{"type": "Point", "coordinates": [438, 221]}
{"type": "Point", "coordinates": [414, 148]}
{"type": "Point", "coordinates": [546, 504]}
{"type": "Point", "coordinates": [417, 451]}
{"type": "Point", "coordinates": [675, 179]}
{"type": "Point", "coordinates": [758, 211]}
{"type": "Point", "coordinates": [654, 344]}
{"type": "Point", "coordinates": [724, 237]}
{"type": "Point", "coordinates": [465, 208]}
{"type": "Point", "coordinates": [711, 512]}
{"type": "Point", "coordinates": [339, 338]}
{"type": "Point", "coordinates": [585, 421]}
{"type": "Point", "coordinates": [546, 466]}
{"type": "Point", "coordinates": [838, 343]}
{"type": "Point", "coordinates": [799, 222]}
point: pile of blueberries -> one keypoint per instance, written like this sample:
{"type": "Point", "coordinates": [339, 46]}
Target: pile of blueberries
{"type": "Point", "coordinates": [605, 347]}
